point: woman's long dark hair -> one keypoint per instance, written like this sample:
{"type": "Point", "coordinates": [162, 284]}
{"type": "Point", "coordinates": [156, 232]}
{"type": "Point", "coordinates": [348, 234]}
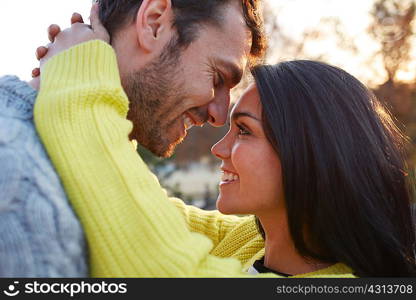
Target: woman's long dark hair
{"type": "Point", "coordinates": [347, 194]}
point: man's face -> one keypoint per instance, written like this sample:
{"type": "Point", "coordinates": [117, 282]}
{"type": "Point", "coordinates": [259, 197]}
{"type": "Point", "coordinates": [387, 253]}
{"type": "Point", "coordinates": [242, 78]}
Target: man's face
{"type": "Point", "coordinates": [187, 87]}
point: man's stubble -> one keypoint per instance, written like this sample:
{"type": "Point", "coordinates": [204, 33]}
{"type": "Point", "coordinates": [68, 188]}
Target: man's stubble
{"type": "Point", "coordinates": [154, 92]}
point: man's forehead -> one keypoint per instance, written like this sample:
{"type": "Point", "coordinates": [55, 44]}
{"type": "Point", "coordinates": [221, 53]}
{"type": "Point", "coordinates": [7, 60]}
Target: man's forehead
{"type": "Point", "coordinates": [231, 51]}
{"type": "Point", "coordinates": [232, 30]}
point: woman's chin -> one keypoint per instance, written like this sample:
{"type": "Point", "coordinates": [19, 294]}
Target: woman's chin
{"type": "Point", "coordinates": [226, 207]}
{"type": "Point", "coordinates": [222, 205]}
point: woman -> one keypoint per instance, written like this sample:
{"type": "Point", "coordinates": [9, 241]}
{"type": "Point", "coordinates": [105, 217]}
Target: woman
{"type": "Point", "coordinates": [342, 169]}
{"type": "Point", "coordinates": [310, 152]}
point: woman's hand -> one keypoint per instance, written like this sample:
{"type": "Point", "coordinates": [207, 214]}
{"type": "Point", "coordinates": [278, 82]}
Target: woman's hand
{"type": "Point", "coordinates": [62, 40]}
{"type": "Point", "coordinates": [53, 31]}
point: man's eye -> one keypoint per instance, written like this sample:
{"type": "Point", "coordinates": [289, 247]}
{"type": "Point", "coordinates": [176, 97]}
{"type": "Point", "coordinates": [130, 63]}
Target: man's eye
{"type": "Point", "coordinates": [242, 130]}
{"type": "Point", "coordinates": [219, 80]}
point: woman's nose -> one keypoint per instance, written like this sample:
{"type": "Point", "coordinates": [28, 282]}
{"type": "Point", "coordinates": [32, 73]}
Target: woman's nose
{"type": "Point", "coordinates": [221, 149]}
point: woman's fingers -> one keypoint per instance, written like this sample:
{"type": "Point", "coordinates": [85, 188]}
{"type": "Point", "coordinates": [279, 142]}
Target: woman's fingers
{"type": "Point", "coordinates": [41, 52]}
{"type": "Point", "coordinates": [76, 18]}
{"type": "Point", "coordinates": [53, 31]}
{"type": "Point", "coordinates": [35, 72]}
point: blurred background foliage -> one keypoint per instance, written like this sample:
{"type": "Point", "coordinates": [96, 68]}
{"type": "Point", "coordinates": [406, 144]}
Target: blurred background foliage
{"type": "Point", "coordinates": [390, 30]}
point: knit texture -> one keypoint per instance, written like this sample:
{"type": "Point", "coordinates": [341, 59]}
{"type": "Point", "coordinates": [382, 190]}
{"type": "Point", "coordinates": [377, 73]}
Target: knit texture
{"type": "Point", "coordinates": [40, 235]}
{"type": "Point", "coordinates": [132, 227]}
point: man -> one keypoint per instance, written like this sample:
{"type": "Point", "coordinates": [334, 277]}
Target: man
{"type": "Point", "coordinates": [178, 61]}
{"type": "Point", "coordinates": [159, 63]}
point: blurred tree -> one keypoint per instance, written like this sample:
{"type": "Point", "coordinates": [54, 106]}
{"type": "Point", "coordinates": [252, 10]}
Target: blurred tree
{"type": "Point", "coordinates": [177, 191]}
{"type": "Point", "coordinates": [392, 26]}
{"type": "Point", "coordinates": [283, 45]}
{"type": "Point", "coordinates": [162, 167]}
{"type": "Point", "coordinates": [197, 145]}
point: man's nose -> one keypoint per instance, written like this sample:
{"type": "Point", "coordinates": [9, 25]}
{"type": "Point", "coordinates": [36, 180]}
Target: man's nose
{"type": "Point", "coordinates": [218, 109]}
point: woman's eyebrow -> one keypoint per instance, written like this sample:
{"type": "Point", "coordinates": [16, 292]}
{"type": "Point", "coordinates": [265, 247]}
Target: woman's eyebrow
{"type": "Point", "coordinates": [239, 114]}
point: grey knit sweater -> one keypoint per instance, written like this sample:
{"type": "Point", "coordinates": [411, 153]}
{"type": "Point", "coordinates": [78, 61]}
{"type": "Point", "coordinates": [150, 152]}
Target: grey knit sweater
{"type": "Point", "coordinates": [40, 236]}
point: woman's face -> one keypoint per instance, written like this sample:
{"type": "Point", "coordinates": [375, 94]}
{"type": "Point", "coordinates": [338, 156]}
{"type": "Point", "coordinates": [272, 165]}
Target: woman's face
{"type": "Point", "coordinates": [251, 181]}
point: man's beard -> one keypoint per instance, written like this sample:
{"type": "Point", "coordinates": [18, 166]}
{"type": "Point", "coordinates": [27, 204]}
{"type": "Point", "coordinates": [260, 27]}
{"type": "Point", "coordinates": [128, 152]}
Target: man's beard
{"type": "Point", "coordinates": [154, 94]}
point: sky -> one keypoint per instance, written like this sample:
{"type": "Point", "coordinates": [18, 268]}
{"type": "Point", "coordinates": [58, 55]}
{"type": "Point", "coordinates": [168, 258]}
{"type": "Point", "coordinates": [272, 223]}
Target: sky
{"type": "Point", "coordinates": [23, 25]}
{"type": "Point", "coordinates": [294, 16]}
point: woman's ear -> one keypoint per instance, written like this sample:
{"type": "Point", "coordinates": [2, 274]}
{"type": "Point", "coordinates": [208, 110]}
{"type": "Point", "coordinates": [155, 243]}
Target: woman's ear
{"type": "Point", "coordinates": [153, 24]}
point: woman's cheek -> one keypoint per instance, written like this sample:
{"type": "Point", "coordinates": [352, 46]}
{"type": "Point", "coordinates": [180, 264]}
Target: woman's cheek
{"type": "Point", "coordinates": [259, 170]}
{"type": "Point", "coordinates": [247, 163]}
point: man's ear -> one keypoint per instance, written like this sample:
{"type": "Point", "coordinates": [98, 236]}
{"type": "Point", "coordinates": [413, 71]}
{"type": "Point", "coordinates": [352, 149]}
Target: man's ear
{"type": "Point", "coordinates": [153, 24]}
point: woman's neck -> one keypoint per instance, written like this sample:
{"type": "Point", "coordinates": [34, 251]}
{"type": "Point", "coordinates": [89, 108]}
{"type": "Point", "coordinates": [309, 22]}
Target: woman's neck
{"type": "Point", "coordinates": [280, 252]}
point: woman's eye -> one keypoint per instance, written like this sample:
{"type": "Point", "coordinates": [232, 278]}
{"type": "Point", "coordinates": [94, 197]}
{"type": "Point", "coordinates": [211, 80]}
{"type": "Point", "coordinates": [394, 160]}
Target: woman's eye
{"type": "Point", "coordinates": [242, 130]}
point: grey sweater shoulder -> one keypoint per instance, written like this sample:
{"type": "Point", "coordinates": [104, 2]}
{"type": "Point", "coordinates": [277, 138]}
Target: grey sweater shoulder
{"type": "Point", "coordinates": [40, 236]}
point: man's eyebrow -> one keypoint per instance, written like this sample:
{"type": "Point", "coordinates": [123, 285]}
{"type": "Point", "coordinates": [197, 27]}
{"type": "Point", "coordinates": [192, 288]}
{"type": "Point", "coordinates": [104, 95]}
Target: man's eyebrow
{"type": "Point", "coordinates": [240, 114]}
{"type": "Point", "coordinates": [232, 69]}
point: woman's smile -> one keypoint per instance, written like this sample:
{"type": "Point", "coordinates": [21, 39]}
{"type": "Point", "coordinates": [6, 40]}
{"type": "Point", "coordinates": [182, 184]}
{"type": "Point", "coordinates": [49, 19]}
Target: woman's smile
{"type": "Point", "coordinates": [228, 177]}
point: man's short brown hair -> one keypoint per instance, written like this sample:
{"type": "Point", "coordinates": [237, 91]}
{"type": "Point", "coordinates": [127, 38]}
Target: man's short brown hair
{"type": "Point", "coordinates": [189, 14]}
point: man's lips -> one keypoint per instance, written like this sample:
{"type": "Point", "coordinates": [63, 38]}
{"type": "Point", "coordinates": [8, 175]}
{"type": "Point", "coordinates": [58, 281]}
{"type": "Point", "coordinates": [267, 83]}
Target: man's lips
{"type": "Point", "coordinates": [188, 122]}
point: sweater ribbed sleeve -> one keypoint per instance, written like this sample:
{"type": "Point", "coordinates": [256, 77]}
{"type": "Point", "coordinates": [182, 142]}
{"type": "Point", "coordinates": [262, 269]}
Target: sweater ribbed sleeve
{"type": "Point", "coordinates": [132, 228]}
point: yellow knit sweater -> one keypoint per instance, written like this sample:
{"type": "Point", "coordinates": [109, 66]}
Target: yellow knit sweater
{"type": "Point", "coordinates": [133, 229]}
